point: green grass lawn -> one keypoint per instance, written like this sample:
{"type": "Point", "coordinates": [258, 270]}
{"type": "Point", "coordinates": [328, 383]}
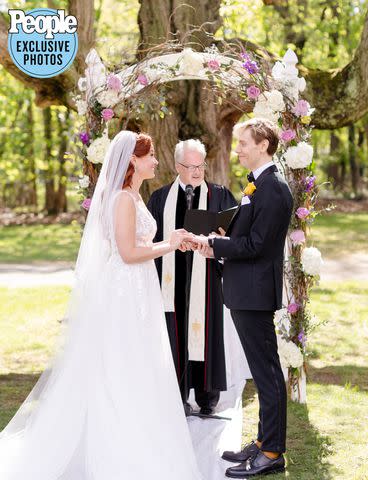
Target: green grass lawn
{"type": "Point", "coordinates": [337, 234]}
{"type": "Point", "coordinates": [39, 243]}
{"type": "Point", "coordinates": [334, 234]}
{"type": "Point", "coordinates": [327, 438]}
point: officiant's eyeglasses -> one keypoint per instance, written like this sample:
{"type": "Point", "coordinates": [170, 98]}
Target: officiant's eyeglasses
{"type": "Point", "coordinates": [193, 168]}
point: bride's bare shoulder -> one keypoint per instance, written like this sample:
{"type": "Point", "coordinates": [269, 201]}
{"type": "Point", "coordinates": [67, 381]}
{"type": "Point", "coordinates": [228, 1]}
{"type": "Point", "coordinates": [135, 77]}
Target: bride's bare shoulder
{"type": "Point", "coordinates": [125, 200]}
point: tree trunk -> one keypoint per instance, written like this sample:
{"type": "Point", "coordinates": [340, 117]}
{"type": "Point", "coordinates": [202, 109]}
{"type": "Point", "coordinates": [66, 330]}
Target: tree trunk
{"type": "Point", "coordinates": [32, 187]}
{"type": "Point", "coordinates": [63, 127]}
{"type": "Point", "coordinates": [353, 160]}
{"type": "Point", "coordinates": [333, 167]}
{"type": "Point", "coordinates": [194, 112]}
{"type": "Point", "coordinates": [50, 195]}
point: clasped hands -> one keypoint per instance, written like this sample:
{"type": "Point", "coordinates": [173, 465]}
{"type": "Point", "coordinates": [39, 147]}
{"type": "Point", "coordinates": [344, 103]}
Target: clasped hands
{"type": "Point", "coordinates": [186, 241]}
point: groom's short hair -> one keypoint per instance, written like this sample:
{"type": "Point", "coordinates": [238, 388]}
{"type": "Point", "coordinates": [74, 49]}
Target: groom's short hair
{"type": "Point", "coordinates": [261, 129]}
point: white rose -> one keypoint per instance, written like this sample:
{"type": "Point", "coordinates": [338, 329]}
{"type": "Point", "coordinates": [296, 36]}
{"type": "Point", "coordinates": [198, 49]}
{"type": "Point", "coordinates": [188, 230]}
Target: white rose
{"type": "Point", "coordinates": [299, 156]}
{"type": "Point", "coordinates": [262, 110]}
{"type": "Point", "coordinates": [190, 63]}
{"type": "Point", "coordinates": [108, 98]}
{"type": "Point", "coordinates": [81, 106]}
{"type": "Point", "coordinates": [97, 150]}
{"type": "Point", "coordinates": [275, 100]}
{"type": "Point", "coordinates": [289, 353]}
{"type": "Point", "coordinates": [84, 181]}
{"type": "Point", "coordinates": [312, 261]}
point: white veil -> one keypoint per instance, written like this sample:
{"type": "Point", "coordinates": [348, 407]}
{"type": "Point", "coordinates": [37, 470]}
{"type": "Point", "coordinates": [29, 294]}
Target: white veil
{"type": "Point", "coordinates": [25, 436]}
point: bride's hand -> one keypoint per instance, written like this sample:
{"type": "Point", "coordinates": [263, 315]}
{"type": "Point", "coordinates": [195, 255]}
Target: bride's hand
{"type": "Point", "coordinates": [179, 236]}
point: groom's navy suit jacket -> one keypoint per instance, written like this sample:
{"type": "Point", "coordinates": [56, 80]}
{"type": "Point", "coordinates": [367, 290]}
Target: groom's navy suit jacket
{"type": "Point", "coordinates": [253, 250]}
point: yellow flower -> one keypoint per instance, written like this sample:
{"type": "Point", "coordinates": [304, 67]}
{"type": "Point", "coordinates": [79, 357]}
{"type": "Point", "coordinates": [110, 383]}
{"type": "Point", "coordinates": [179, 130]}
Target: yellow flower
{"type": "Point", "coordinates": [306, 119]}
{"type": "Point", "coordinates": [249, 189]}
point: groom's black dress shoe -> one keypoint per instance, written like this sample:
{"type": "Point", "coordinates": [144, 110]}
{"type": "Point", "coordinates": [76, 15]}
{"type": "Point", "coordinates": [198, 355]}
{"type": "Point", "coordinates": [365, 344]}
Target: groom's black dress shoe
{"type": "Point", "coordinates": [248, 451]}
{"type": "Point", "coordinates": [258, 465]}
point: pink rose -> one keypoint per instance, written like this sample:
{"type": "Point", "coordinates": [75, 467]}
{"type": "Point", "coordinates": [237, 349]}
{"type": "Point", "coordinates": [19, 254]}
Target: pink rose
{"type": "Point", "coordinates": [107, 114]}
{"type": "Point", "coordinates": [213, 64]}
{"type": "Point", "coordinates": [292, 308]}
{"type": "Point", "coordinates": [302, 213]}
{"type": "Point", "coordinates": [86, 203]}
{"type": "Point", "coordinates": [114, 82]}
{"type": "Point", "coordinates": [253, 92]}
{"type": "Point", "coordinates": [297, 237]}
{"type": "Point", "coordinates": [288, 135]}
{"type": "Point", "coordinates": [142, 79]}
{"type": "Point", "coordinates": [301, 108]}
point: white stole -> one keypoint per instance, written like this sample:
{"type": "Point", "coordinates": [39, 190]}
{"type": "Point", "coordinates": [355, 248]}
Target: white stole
{"type": "Point", "coordinates": [197, 302]}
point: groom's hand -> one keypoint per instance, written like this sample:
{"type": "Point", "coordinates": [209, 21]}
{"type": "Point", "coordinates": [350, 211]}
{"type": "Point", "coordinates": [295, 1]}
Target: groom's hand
{"type": "Point", "coordinates": [206, 251]}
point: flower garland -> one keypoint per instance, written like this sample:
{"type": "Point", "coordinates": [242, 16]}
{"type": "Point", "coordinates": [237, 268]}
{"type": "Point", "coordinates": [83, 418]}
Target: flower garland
{"type": "Point", "coordinates": [108, 101]}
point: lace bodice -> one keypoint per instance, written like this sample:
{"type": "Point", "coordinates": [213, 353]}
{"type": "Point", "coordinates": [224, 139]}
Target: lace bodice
{"type": "Point", "coordinates": [146, 226]}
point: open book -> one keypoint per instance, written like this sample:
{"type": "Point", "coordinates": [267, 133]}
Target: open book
{"type": "Point", "coordinates": [204, 222]}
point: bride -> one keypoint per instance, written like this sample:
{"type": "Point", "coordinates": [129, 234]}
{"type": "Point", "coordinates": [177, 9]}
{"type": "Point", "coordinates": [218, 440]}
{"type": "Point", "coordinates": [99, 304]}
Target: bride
{"type": "Point", "coordinates": [109, 408]}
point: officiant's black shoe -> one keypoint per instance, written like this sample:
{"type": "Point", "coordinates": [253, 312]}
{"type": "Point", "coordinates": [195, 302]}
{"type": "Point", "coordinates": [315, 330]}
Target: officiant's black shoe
{"type": "Point", "coordinates": [206, 411]}
{"type": "Point", "coordinates": [248, 451]}
{"type": "Point", "coordinates": [258, 465]}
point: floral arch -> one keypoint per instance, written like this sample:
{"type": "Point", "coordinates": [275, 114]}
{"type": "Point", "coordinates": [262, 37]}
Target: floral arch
{"type": "Point", "coordinates": [107, 101]}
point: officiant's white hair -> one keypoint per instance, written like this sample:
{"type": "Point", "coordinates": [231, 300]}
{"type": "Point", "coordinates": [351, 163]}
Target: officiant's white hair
{"type": "Point", "coordinates": [190, 145]}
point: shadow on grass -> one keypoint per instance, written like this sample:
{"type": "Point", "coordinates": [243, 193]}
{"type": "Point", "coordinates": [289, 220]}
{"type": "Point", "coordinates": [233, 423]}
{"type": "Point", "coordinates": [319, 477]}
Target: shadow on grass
{"type": "Point", "coordinates": [341, 375]}
{"type": "Point", "coordinates": [14, 389]}
{"type": "Point", "coordinates": [307, 449]}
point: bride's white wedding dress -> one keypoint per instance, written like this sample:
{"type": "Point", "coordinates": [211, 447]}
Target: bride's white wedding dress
{"type": "Point", "coordinates": [110, 407]}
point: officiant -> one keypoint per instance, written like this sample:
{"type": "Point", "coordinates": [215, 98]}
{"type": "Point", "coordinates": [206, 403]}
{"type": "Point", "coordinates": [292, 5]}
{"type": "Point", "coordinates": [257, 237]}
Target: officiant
{"type": "Point", "coordinates": [194, 303]}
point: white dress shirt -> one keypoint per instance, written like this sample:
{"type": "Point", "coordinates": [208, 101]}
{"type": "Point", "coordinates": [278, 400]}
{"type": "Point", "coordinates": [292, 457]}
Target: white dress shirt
{"type": "Point", "coordinates": [261, 169]}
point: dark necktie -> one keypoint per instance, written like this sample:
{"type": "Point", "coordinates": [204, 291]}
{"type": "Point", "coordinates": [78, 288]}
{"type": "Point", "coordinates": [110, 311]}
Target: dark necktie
{"type": "Point", "coordinates": [250, 177]}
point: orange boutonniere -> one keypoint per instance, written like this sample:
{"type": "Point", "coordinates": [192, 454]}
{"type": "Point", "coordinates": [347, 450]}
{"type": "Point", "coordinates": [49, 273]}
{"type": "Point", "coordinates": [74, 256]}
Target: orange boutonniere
{"type": "Point", "coordinates": [249, 189]}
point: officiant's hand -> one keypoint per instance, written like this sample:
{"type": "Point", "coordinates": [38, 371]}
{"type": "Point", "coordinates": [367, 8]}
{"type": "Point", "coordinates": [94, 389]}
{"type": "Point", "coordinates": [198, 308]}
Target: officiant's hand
{"type": "Point", "coordinates": [221, 233]}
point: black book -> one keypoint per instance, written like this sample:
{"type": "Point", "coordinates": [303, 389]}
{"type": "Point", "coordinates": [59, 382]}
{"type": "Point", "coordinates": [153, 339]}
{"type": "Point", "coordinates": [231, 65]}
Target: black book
{"type": "Point", "coordinates": [203, 222]}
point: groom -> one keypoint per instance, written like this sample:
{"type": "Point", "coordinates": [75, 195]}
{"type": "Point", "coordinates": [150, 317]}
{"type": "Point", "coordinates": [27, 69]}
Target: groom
{"type": "Point", "coordinates": [252, 282]}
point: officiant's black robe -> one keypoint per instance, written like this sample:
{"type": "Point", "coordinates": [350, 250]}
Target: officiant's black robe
{"type": "Point", "coordinates": [209, 375]}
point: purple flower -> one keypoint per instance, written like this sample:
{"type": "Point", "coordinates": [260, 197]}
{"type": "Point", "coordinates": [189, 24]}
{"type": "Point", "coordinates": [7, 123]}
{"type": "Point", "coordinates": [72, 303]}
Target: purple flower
{"type": "Point", "coordinates": [288, 135]}
{"type": "Point", "coordinates": [292, 308]}
{"type": "Point", "coordinates": [253, 92]}
{"type": "Point", "coordinates": [301, 108]}
{"type": "Point", "coordinates": [302, 213]}
{"type": "Point", "coordinates": [251, 66]}
{"type": "Point", "coordinates": [302, 338]}
{"type": "Point", "coordinates": [309, 183]}
{"type": "Point", "coordinates": [142, 79]}
{"type": "Point", "coordinates": [114, 82]}
{"type": "Point", "coordinates": [107, 114]}
{"type": "Point", "coordinates": [84, 138]}
{"type": "Point", "coordinates": [297, 237]}
{"type": "Point", "coordinates": [213, 64]}
{"type": "Point", "coordinates": [86, 203]}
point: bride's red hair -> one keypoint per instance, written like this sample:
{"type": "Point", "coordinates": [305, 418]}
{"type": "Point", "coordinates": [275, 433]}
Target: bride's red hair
{"type": "Point", "coordinates": [142, 147]}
